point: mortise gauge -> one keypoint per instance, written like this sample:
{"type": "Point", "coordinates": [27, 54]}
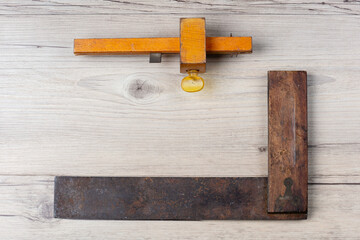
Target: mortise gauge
{"type": "Point", "coordinates": [192, 45]}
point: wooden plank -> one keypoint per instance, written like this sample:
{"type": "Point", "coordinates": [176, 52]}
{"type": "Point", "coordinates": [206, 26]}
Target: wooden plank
{"type": "Point", "coordinates": [192, 44]}
{"type": "Point", "coordinates": [26, 203]}
{"type": "Point", "coordinates": [288, 141]}
{"type": "Point", "coordinates": [267, 29]}
{"type": "Point", "coordinates": [144, 7]}
{"type": "Point", "coordinates": [113, 46]}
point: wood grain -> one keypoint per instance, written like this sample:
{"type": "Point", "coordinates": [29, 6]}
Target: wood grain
{"type": "Point", "coordinates": [125, 46]}
{"type": "Point", "coordinates": [195, 8]}
{"type": "Point", "coordinates": [192, 44]}
{"type": "Point", "coordinates": [109, 115]}
{"type": "Point", "coordinates": [288, 141]}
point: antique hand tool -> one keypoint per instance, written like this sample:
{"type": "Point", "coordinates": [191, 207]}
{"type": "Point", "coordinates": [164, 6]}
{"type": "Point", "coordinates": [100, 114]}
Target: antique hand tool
{"type": "Point", "coordinates": [281, 195]}
{"type": "Point", "coordinates": [193, 45]}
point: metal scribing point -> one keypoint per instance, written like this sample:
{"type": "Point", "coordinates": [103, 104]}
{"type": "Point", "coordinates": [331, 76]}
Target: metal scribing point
{"type": "Point", "coordinates": [155, 58]}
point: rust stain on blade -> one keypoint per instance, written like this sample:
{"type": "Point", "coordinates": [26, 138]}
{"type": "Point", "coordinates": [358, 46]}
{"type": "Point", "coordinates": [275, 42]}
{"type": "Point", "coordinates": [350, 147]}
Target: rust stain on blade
{"type": "Point", "coordinates": [163, 198]}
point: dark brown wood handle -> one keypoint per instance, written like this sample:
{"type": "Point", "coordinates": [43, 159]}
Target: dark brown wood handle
{"type": "Point", "coordinates": [288, 145]}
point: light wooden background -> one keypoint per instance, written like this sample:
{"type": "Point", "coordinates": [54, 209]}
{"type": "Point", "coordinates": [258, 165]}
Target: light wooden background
{"type": "Point", "coordinates": [121, 116]}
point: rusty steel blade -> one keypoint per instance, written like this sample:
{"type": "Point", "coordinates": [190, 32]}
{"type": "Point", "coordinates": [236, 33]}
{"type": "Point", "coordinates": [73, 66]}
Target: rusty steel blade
{"type": "Point", "coordinates": [163, 198]}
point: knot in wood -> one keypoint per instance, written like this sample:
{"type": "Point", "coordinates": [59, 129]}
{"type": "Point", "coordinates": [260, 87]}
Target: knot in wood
{"type": "Point", "coordinates": [141, 88]}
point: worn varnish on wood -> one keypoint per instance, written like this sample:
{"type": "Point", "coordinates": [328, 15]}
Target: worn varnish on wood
{"type": "Point", "coordinates": [134, 46]}
{"type": "Point", "coordinates": [192, 44]}
{"type": "Point", "coordinates": [288, 153]}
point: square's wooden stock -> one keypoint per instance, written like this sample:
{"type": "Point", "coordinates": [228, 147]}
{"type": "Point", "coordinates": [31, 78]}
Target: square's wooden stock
{"type": "Point", "coordinates": [288, 156]}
